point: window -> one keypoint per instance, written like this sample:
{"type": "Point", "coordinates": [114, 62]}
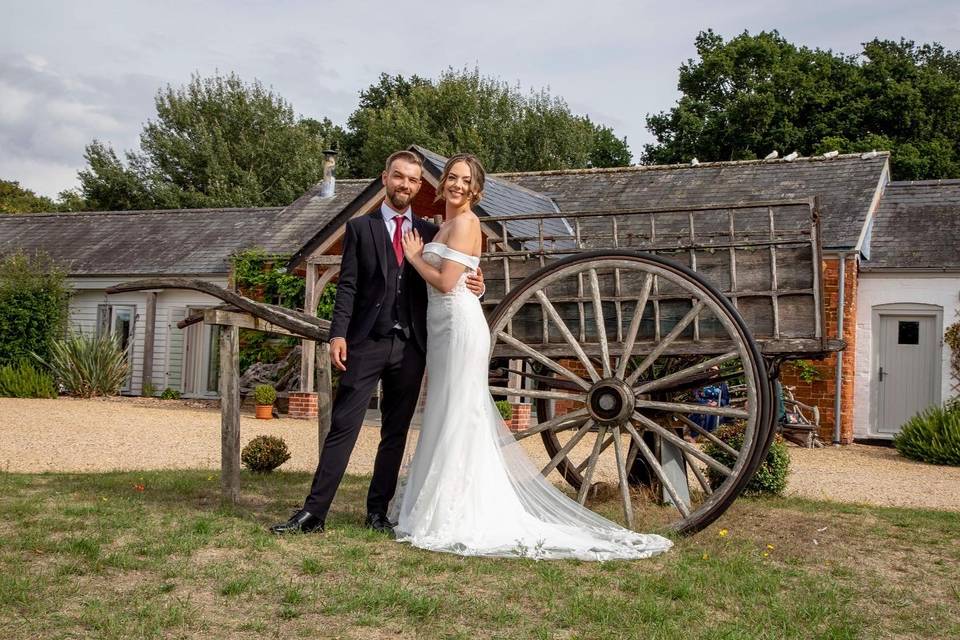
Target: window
{"type": "Point", "coordinates": [908, 332]}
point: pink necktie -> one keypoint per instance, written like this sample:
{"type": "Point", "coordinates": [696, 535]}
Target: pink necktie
{"type": "Point", "coordinates": [397, 235]}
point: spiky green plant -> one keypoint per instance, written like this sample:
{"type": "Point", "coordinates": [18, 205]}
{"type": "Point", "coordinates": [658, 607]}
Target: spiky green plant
{"type": "Point", "coordinates": [25, 381]}
{"type": "Point", "coordinates": [88, 366]}
{"type": "Point", "coordinates": [932, 436]}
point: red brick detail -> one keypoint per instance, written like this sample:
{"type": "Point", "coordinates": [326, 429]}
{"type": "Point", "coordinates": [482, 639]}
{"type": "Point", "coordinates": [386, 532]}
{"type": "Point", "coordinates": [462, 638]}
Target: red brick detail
{"type": "Point", "coordinates": [520, 419]}
{"type": "Point", "coordinates": [302, 405]}
{"type": "Point", "coordinates": [822, 391]}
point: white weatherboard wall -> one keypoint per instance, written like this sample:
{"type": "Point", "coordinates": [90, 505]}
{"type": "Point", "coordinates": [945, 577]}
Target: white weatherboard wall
{"type": "Point", "coordinates": [90, 292]}
{"type": "Point", "coordinates": [876, 288]}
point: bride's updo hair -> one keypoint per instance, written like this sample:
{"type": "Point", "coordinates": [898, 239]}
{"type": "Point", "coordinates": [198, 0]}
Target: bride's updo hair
{"type": "Point", "coordinates": [477, 176]}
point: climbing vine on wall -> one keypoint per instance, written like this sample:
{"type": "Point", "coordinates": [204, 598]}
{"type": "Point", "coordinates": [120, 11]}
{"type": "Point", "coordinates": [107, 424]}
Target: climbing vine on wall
{"type": "Point", "coordinates": [952, 338]}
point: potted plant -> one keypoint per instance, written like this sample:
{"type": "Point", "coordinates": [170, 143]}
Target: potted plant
{"type": "Point", "coordinates": [264, 395]}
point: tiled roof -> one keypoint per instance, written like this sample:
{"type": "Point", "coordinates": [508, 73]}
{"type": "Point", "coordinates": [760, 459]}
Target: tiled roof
{"type": "Point", "coordinates": [917, 227]}
{"type": "Point", "coordinates": [846, 185]}
{"type": "Point", "coordinates": [169, 242]}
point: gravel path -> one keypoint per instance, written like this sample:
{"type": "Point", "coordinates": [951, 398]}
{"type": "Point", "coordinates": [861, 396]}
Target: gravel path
{"type": "Point", "coordinates": [138, 433]}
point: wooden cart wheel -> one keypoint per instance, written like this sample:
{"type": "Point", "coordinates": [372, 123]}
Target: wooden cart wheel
{"type": "Point", "coordinates": [614, 344]}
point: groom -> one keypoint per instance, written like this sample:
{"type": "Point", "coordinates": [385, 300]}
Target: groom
{"type": "Point", "coordinates": [380, 319]}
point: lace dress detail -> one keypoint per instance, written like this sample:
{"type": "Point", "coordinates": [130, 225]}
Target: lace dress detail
{"type": "Point", "coordinates": [470, 488]}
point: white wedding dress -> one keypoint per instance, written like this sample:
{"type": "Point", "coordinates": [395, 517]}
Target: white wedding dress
{"type": "Point", "coordinates": [470, 488]}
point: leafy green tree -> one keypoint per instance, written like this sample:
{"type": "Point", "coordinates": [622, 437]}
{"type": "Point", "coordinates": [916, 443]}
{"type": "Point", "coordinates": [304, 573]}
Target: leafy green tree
{"type": "Point", "coordinates": [217, 142]}
{"type": "Point", "coordinates": [16, 199]}
{"type": "Point", "coordinates": [745, 97]}
{"type": "Point", "coordinates": [34, 299]}
{"type": "Point", "coordinates": [463, 111]}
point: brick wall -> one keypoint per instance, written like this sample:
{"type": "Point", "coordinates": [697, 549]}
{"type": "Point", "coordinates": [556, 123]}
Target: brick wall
{"type": "Point", "coordinates": [822, 391]}
{"type": "Point", "coordinates": [302, 405]}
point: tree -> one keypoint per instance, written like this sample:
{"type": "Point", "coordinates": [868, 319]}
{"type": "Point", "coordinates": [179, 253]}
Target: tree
{"type": "Point", "coordinates": [743, 98]}
{"type": "Point", "coordinates": [16, 199]}
{"type": "Point", "coordinates": [216, 142]}
{"type": "Point", "coordinates": [509, 130]}
{"type": "Point", "coordinates": [34, 299]}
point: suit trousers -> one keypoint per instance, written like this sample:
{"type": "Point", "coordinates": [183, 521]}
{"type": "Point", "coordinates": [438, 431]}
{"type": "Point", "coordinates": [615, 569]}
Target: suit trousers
{"type": "Point", "coordinates": [398, 363]}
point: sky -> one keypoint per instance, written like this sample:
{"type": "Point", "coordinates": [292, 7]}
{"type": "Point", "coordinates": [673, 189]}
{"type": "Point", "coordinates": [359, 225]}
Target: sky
{"type": "Point", "coordinates": [72, 71]}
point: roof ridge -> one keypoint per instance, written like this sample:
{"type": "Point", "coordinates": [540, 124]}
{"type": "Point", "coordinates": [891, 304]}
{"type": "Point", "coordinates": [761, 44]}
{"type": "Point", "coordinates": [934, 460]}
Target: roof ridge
{"type": "Point", "coordinates": [923, 183]}
{"type": "Point", "coordinates": [662, 167]}
{"type": "Point", "coordinates": [128, 212]}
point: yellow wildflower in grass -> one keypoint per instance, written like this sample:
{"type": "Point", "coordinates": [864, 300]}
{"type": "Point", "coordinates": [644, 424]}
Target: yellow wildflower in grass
{"type": "Point", "coordinates": [723, 533]}
{"type": "Point", "coordinates": [706, 556]}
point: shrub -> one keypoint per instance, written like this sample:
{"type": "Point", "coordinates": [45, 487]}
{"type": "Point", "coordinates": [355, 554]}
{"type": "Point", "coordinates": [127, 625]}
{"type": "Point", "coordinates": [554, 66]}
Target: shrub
{"type": "Point", "coordinates": [24, 381]}
{"type": "Point", "coordinates": [149, 389]}
{"type": "Point", "coordinates": [264, 394]}
{"type": "Point", "coordinates": [263, 454]}
{"type": "Point", "coordinates": [932, 436]}
{"type": "Point", "coordinates": [170, 394]}
{"type": "Point", "coordinates": [34, 301]}
{"type": "Point", "coordinates": [771, 476]}
{"type": "Point", "coordinates": [88, 366]}
{"type": "Point", "coordinates": [505, 409]}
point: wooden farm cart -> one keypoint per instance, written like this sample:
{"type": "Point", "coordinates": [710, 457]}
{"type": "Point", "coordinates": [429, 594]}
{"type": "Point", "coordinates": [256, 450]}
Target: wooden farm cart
{"type": "Point", "coordinates": [610, 322]}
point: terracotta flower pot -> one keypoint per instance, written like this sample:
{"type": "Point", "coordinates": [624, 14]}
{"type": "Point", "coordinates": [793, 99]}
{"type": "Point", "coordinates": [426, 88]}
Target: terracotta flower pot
{"type": "Point", "coordinates": [264, 411]}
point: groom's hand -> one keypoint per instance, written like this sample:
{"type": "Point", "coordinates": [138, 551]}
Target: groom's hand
{"type": "Point", "coordinates": [338, 353]}
{"type": "Point", "coordinates": [475, 283]}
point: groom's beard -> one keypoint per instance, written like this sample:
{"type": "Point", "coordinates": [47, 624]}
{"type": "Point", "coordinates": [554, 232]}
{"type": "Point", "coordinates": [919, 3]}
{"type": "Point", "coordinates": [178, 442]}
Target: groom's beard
{"type": "Point", "coordinates": [399, 199]}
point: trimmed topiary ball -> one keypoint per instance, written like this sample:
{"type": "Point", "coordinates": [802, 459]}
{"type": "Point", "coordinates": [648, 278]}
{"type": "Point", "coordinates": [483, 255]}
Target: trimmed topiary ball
{"type": "Point", "coordinates": [932, 436]}
{"type": "Point", "coordinates": [770, 478]}
{"type": "Point", "coordinates": [264, 394]}
{"type": "Point", "coordinates": [263, 454]}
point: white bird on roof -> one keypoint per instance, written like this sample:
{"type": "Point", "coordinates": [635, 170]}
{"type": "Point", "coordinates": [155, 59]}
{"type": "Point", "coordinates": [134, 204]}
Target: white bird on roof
{"type": "Point", "coordinates": [831, 154]}
{"type": "Point", "coordinates": [773, 155]}
{"type": "Point", "coordinates": [694, 162]}
{"type": "Point", "coordinates": [790, 157]}
{"type": "Point", "coordinates": [869, 154]}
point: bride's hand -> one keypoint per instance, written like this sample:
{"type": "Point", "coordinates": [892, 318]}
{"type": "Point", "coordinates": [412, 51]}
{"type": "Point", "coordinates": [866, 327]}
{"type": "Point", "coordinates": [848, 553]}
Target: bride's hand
{"type": "Point", "coordinates": [412, 244]}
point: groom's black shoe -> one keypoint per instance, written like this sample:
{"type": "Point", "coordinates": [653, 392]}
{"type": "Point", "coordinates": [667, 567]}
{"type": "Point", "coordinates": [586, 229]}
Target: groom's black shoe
{"type": "Point", "coordinates": [301, 522]}
{"type": "Point", "coordinates": [379, 522]}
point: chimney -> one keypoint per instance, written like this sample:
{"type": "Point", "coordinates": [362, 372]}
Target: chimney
{"type": "Point", "coordinates": [329, 187]}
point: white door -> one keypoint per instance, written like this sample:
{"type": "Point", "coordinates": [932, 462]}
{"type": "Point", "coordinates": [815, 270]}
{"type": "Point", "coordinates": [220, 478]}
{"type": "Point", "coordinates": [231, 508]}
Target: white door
{"type": "Point", "coordinates": [201, 359]}
{"type": "Point", "coordinates": [908, 368]}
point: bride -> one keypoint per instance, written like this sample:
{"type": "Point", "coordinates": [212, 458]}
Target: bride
{"type": "Point", "coordinates": [470, 489]}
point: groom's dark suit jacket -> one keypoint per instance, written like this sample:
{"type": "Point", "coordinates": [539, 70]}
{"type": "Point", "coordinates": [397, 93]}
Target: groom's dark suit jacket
{"type": "Point", "coordinates": [367, 246]}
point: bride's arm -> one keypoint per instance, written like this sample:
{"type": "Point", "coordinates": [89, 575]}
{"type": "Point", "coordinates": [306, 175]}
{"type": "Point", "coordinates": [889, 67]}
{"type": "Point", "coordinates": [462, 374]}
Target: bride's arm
{"type": "Point", "coordinates": [462, 238]}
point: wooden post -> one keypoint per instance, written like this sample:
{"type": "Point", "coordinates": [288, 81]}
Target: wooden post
{"type": "Point", "coordinates": [148, 339]}
{"type": "Point", "coordinates": [230, 413]}
{"type": "Point", "coordinates": [324, 393]}
{"type": "Point", "coordinates": [307, 347]}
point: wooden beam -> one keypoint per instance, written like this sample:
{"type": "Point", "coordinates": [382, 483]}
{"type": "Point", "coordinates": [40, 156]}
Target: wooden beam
{"type": "Point", "coordinates": [324, 393]}
{"type": "Point", "coordinates": [242, 320]}
{"type": "Point", "coordinates": [230, 414]}
{"type": "Point", "coordinates": [307, 347]}
{"type": "Point", "coordinates": [149, 332]}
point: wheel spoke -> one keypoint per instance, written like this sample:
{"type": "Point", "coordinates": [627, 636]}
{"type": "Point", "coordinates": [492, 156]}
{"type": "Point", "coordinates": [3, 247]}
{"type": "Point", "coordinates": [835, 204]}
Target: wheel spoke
{"type": "Point", "coordinates": [680, 442]}
{"type": "Point", "coordinates": [562, 326]}
{"type": "Point", "coordinates": [544, 360]}
{"type": "Point", "coordinates": [583, 465]}
{"type": "Point", "coordinates": [537, 393]}
{"type": "Point", "coordinates": [591, 465]}
{"type": "Point", "coordinates": [667, 341]}
{"type": "Point", "coordinates": [654, 464]}
{"type": "Point", "coordinates": [598, 319]}
{"type": "Point", "coordinates": [706, 434]}
{"type": "Point", "coordinates": [699, 474]}
{"type": "Point", "coordinates": [622, 472]}
{"type": "Point", "coordinates": [571, 443]}
{"type": "Point", "coordinates": [634, 327]}
{"type": "Point", "coordinates": [685, 374]}
{"type": "Point", "coordinates": [686, 407]}
{"type": "Point", "coordinates": [564, 421]}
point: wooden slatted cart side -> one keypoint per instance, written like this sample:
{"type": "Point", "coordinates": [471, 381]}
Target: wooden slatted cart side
{"type": "Point", "coordinates": [765, 257]}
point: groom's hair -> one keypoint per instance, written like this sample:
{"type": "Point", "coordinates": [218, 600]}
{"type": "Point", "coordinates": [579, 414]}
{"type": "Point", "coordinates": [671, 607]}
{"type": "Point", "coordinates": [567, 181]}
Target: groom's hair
{"type": "Point", "coordinates": [403, 154]}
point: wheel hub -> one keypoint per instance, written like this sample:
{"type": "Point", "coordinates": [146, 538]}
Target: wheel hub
{"type": "Point", "coordinates": [610, 401]}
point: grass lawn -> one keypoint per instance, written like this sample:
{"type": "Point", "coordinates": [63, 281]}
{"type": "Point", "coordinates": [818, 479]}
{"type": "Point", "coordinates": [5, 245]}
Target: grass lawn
{"type": "Point", "coordinates": [143, 555]}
